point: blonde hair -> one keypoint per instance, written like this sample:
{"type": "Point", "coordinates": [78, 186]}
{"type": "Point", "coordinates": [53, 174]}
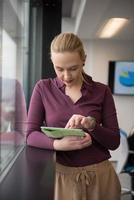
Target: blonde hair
{"type": "Point", "coordinates": [67, 42]}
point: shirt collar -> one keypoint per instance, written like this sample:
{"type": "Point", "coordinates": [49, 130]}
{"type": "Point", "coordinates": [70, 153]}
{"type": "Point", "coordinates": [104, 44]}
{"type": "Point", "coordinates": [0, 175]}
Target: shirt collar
{"type": "Point", "coordinates": [87, 82]}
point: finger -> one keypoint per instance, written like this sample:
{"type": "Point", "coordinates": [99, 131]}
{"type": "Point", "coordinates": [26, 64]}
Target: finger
{"type": "Point", "coordinates": [86, 141]}
{"type": "Point", "coordinates": [87, 144]}
{"type": "Point", "coordinates": [68, 125]}
{"type": "Point", "coordinates": [71, 124]}
{"type": "Point", "coordinates": [77, 144]}
{"type": "Point", "coordinates": [77, 121]}
{"type": "Point", "coordinates": [82, 146]}
{"type": "Point", "coordinates": [87, 138]}
{"type": "Point", "coordinates": [87, 135]}
{"type": "Point", "coordinates": [85, 122]}
{"type": "Point", "coordinates": [74, 121]}
{"type": "Point", "coordinates": [73, 138]}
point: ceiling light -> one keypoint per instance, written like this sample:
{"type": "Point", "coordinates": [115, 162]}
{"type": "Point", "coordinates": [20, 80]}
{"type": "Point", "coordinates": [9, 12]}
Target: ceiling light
{"type": "Point", "coordinates": [111, 27]}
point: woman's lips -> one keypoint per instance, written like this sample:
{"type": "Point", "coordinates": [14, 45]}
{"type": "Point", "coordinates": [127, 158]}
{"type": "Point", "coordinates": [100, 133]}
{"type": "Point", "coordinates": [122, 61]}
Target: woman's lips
{"type": "Point", "coordinates": [68, 82]}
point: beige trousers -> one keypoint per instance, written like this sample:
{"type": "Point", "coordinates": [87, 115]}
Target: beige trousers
{"type": "Point", "coordinates": [93, 182]}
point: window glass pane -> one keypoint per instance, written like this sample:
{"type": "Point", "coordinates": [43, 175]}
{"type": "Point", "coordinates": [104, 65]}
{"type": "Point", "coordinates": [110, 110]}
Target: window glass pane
{"type": "Point", "coordinates": [13, 57]}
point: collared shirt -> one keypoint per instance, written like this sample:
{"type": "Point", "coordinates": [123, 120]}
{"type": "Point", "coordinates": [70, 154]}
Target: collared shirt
{"type": "Point", "coordinates": [50, 106]}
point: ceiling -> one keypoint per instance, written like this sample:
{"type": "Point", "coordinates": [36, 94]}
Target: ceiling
{"type": "Point", "coordinates": [88, 16]}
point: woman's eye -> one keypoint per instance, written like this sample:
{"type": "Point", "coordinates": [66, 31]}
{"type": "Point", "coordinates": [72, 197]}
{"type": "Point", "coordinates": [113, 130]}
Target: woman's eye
{"type": "Point", "coordinates": [73, 69]}
{"type": "Point", "coordinates": [60, 70]}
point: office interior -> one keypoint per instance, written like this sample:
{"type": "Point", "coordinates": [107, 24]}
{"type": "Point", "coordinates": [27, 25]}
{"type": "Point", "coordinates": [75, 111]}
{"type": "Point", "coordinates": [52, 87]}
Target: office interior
{"type": "Point", "coordinates": [26, 30]}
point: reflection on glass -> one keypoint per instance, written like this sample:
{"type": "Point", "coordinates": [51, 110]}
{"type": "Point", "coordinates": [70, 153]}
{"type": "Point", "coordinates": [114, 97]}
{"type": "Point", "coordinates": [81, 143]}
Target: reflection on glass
{"type": "Point", "coordinates": [13, 119]}
{"type": "Point", "coordinates": [13, 59]}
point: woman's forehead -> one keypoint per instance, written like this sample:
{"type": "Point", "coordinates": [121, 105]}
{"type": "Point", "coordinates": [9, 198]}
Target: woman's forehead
{"type": "Point", "coordinates": [66, 57]}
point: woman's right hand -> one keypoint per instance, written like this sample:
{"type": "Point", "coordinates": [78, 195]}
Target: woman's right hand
{"type": "Point", "coordinates": [70, 143]}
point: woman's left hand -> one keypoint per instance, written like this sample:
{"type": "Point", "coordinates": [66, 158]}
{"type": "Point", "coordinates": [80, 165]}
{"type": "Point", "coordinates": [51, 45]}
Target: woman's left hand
{"type": "Point", "coordinates": [69, 143]}
{"type": "Point", "coordinates": [79, 121]}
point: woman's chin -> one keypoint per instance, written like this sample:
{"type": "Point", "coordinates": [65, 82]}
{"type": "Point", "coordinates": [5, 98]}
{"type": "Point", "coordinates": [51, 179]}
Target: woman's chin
{"type": "Point", "coordinates": [69, 85]}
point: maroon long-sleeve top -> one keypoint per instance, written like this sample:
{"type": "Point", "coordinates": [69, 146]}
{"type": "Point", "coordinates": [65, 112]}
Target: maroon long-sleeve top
{"type": "Point", "coordinates": [50, 106]}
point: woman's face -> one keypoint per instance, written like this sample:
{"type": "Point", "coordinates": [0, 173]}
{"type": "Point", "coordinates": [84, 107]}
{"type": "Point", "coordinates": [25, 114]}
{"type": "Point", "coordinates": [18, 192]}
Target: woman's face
{"type": "Point", "coordinates": [68, 67]}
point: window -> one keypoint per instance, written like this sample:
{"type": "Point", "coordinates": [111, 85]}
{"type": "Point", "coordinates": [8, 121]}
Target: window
{"type": "Point", "coordinates": [14, 18]}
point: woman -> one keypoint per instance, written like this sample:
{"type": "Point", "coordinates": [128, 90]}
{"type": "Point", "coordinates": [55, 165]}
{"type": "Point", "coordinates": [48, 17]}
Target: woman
{"type": "Point", "coordinates": [74, 100]}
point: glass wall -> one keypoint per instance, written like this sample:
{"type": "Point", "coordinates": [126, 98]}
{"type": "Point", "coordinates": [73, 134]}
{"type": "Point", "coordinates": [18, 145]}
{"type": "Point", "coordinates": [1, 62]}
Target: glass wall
{"type": "Point", "coordinates": [14, 22]}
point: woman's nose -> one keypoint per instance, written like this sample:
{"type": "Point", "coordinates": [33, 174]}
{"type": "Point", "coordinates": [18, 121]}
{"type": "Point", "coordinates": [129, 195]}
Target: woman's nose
{"type": "Point", "coordinates": [67, 75]}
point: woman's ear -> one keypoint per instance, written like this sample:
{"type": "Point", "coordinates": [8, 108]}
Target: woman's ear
{"type": "Point", "coordinates": [85, 57]}
{"type": "Point", "coordinates": [84, 60]}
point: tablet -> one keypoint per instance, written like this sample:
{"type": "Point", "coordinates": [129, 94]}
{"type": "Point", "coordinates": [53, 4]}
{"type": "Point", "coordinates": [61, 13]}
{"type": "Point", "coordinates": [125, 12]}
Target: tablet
{"type": "Point", "coordinates": [55, 132]}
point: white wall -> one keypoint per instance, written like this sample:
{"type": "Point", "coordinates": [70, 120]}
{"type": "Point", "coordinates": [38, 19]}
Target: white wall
{"type": "Point", "coordinates": [99, 53]}
{"type": "Point", "coordinates": [68, 25]}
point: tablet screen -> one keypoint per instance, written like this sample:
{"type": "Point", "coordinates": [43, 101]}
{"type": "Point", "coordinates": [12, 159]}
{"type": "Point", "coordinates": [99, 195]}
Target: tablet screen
{"type": "Point", "coordinates": [56, 132]}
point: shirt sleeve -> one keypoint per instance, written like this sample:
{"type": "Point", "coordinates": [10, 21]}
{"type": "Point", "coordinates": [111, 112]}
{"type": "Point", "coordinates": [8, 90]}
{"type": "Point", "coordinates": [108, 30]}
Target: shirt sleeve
{"type": "Point", "coordinates": [36, 116]}
{"type": "Point", "coordinates": [107, 133]}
